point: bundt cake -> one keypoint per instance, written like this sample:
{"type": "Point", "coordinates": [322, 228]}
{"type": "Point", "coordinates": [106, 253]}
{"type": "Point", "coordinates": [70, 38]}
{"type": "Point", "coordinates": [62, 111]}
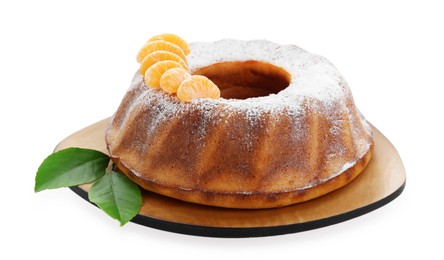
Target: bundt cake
{"type": "Point", "coordinates": [284, 130]}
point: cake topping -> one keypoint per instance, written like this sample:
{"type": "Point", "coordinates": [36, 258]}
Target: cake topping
{"type": "Point", "coordinates": [157, 56]}
{"type": "Point", "coordinates": [163, 64]}
{"type": "Point", "coordinates": [155, 72]}
{"type": "Point", "coordinates": [159, 45]}
{"type": "Point", "coordinates": [172, 38]}
{"type": "Point", "coordinates": [172, 78]}
{"type": "Point", "coordinates": [197, 87]}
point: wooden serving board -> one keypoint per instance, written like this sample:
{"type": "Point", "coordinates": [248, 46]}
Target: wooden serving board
{"type": "Point", "coordinates": [382, 181]}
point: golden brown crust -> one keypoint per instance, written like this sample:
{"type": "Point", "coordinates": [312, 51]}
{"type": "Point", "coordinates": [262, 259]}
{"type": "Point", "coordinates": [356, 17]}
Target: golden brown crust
{"type": "Point", "coordinates": [270, 151]}
{"type": "Point", "coordinates": [253, 200]}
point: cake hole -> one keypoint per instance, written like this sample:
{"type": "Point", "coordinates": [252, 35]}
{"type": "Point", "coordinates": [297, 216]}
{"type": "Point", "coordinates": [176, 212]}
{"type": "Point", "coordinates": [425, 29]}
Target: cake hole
{"type": "Point", "coordinates": [242, 80]}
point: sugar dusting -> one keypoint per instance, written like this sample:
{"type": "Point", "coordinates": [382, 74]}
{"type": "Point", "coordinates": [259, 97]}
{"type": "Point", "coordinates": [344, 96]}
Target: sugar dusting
{"type": "Point", "coordinates": [311, 75]}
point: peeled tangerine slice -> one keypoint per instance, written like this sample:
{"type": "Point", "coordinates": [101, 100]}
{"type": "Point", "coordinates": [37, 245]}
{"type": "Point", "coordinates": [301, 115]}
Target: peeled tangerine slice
{"type": "Point", "coordinates": [155, 72]}
{"type": "Point", "coordinates": [153, 46]}
{"type": "Point", "coordinates": [197, 87]}
{"type": "Point", "coordinates": [169, 37]}
{"type": "Point", "coordinates": [172, 78]}
{"type": "Point", "coordinates": [157, 56]}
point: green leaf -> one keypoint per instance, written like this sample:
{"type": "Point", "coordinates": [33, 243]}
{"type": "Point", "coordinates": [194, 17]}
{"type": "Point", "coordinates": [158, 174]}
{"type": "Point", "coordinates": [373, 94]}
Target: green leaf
{"type": "Point", "coordinates": [70, 167]}
{"type": "Point", "coordinates": [117, 195]}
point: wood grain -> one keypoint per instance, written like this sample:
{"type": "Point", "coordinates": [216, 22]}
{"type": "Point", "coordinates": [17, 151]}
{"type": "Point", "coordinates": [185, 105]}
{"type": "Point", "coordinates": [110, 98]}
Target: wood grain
{"type": "Point", "coordinates": [384, 175]}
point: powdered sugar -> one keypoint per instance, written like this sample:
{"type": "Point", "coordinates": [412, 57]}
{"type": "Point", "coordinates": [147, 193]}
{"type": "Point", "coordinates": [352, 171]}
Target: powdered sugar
{"type": "Point", "coordinates": [311, 75]}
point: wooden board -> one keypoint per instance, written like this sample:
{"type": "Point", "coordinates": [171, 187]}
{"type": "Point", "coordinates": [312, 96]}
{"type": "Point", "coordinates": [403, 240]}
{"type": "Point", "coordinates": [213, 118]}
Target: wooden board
{"type": "Point", "coordinates": [381, 182]}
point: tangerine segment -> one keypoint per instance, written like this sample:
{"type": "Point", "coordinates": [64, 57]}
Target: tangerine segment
{"type": "Point", "coordinates": [169, 37]}
{"type": "Point", "coordinates": [155, 72]}
{"type": "Point", "coordinates": [153, 46]}
{"type": "Point", "coordinates": [172, 78]}
{"type": "Point", "coordinates": [157, 56]}
{"type": "Point", "coordinates": [197, 87]}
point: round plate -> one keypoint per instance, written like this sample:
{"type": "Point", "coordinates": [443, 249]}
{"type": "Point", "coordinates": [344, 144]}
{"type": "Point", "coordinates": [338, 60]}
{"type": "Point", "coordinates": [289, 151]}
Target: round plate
{"type": "Point", "coordinates": [382, 181]}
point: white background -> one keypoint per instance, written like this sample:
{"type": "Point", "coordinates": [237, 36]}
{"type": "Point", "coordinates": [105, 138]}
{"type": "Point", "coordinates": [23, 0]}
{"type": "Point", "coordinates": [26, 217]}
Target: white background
{"type": "Point", "coordinates": [65, 65]}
